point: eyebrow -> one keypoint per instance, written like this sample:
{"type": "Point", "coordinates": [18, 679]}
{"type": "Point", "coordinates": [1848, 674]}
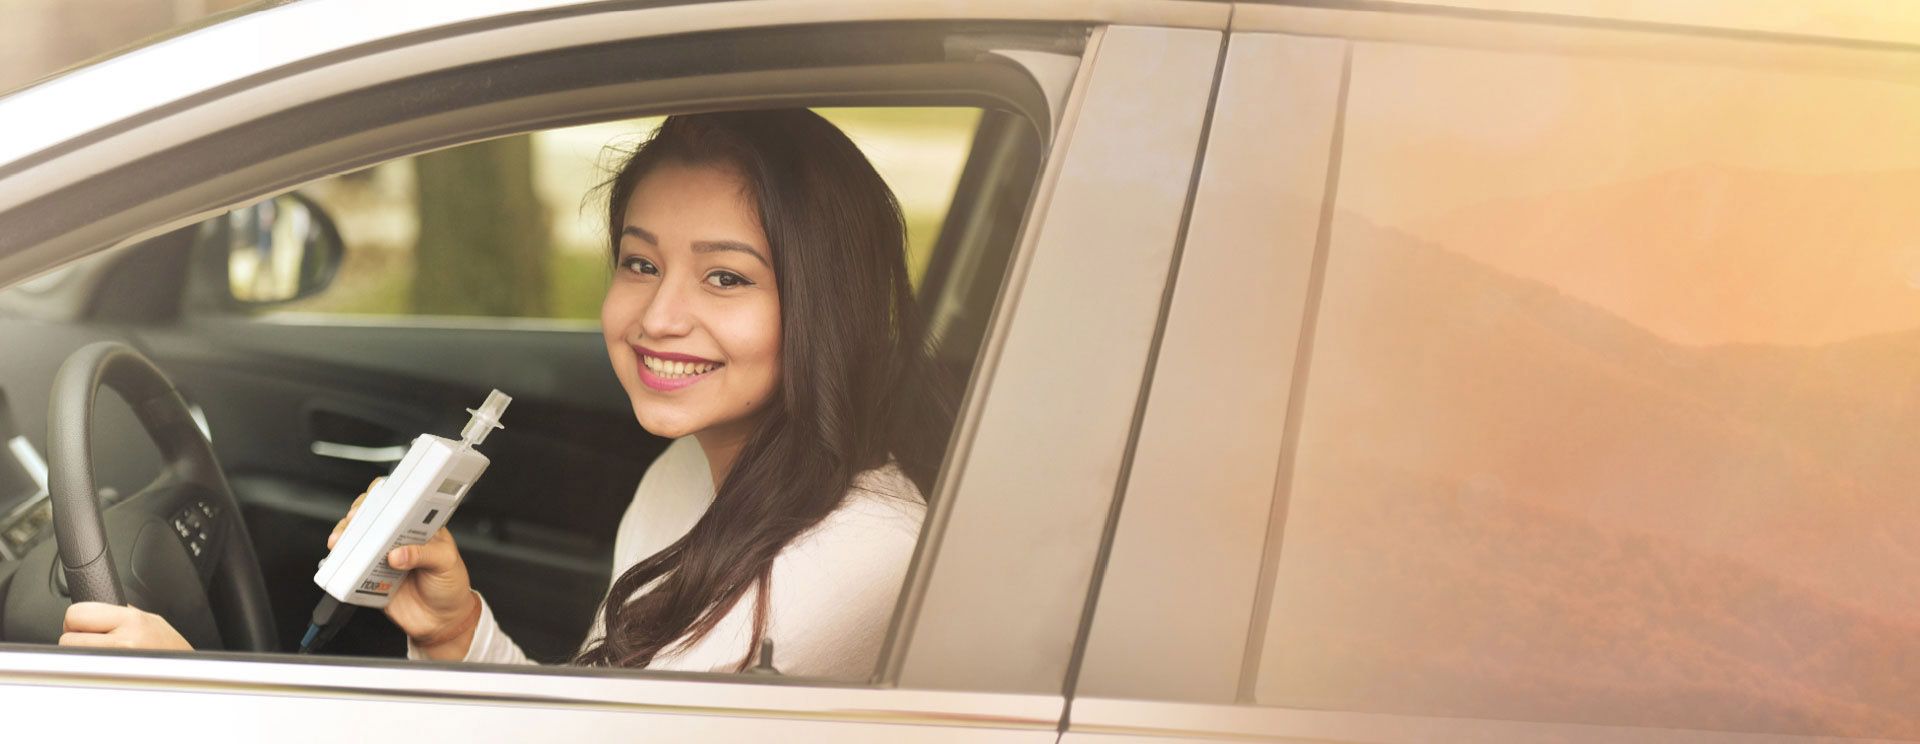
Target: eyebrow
{"type": "Point", "coordinates": [700, 246]}
{"type": "Point", "coordinates": [711, 246]}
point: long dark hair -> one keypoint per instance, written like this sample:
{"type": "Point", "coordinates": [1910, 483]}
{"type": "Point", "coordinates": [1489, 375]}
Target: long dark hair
{"type": "Point", "coordinates": [854, 387]}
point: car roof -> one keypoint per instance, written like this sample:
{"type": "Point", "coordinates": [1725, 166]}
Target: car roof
{"type": "Point", "coordinates": [273, 33]}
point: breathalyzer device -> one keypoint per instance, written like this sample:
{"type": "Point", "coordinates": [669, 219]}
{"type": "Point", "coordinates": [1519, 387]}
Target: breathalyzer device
{"type": "Point", "coordinates": [405, 508]}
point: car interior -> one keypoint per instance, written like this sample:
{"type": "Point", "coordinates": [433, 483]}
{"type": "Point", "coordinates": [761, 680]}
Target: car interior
{"type": "Point", "coordinates": [300, 416]}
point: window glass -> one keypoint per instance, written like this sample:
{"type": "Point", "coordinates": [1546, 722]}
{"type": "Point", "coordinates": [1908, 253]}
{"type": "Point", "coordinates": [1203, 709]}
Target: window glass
{"type": "Point", "coordinates": [1609, 411]}
{"type": "Point", "coordinates": [510, 227]}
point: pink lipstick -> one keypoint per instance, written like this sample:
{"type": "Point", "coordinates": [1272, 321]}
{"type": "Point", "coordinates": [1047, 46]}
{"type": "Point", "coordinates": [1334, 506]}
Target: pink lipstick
{"type": "Point", "coordinates": [667, 371]}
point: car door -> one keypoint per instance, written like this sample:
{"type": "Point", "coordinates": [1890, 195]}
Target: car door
{"type": "Point", "coordinates": [1567, 368]}
{"type": "Point", "coordinates": [989, 620]}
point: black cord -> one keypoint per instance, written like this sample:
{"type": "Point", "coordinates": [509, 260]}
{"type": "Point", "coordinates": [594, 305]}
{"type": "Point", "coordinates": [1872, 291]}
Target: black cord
{"type": "Point", "coordinates": [328, 616]}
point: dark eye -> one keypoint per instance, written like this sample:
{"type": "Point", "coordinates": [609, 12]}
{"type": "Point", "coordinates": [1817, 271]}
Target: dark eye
{"type": "Point", "coordinates": [727, 280]}
{"type": "Point", "coordinates": [639, 265]}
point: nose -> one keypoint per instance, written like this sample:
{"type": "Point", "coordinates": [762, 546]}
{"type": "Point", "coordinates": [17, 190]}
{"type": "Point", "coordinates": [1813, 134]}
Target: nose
{"type": "Point", "coordinates": [668, 313]}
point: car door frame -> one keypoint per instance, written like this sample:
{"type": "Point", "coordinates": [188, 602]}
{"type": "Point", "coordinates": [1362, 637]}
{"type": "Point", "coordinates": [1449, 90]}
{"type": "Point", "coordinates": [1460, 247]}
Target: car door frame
{"type": "Point", "coordinates": [974, 650]}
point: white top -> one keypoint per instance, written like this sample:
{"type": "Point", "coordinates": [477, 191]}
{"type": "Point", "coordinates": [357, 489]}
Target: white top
{"type": "Point", "coordinates": [833, 590]}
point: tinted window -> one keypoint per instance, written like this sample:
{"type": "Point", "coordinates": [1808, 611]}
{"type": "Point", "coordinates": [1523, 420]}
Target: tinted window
{"type": "Point", "coordinates": [1611, 399]}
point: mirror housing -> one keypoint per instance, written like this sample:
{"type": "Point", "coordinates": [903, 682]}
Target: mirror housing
{"type": "Point", "coordinates": [274, 251]}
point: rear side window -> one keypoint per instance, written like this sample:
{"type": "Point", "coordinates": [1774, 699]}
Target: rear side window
{"type": "Point", "coordinates": [1612, 398]}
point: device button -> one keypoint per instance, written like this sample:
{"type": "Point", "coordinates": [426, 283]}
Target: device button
{"type": "Point", "coordinates": [180, 527]}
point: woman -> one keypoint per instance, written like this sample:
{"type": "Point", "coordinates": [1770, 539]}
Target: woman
{"type": "Point", "coordinates": [761, 315]}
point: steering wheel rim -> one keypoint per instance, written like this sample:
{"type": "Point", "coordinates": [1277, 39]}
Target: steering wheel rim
{"type": "Point", "coordinates": [192, 488]}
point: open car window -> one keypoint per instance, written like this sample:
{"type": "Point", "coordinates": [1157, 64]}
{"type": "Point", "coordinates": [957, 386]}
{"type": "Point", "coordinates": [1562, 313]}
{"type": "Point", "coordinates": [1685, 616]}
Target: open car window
{"type": "Point", "coordinates": [514, 227]}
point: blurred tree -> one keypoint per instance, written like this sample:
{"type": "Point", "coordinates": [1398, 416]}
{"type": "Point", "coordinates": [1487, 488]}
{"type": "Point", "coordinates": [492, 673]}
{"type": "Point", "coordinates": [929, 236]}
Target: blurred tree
{"type": "Point", "coordinates": [483, 232]}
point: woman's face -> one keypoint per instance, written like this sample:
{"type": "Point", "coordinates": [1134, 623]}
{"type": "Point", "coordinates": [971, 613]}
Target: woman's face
{"type": "Point", "coordinates": [692, 316]}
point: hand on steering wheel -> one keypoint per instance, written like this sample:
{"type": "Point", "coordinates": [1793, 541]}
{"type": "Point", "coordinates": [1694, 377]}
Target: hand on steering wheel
{"type": "Point", "coordinates": [101, 625]}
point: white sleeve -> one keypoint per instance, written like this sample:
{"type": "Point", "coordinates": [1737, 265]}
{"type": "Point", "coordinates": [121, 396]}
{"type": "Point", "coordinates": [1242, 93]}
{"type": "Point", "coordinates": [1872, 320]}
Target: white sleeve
{"type": "Point", "coordinates": [490, 644]}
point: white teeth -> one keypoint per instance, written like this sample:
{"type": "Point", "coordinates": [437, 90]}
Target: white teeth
{"type": "Point", "coordinates": [666, 368]}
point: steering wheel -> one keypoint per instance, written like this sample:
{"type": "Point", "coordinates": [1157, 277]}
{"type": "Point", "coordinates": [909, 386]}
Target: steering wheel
{"type": "Point", "coordinates": [178, 548]}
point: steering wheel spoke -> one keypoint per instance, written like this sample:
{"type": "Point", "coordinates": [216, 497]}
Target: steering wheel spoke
{"type": "Point", "coordinates": [192, 513]}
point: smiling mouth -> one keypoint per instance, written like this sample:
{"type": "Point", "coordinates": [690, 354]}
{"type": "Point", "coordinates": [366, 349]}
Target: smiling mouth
{"type": "Point", "coordinates": [672, 369]}
{"type": "Point", "coordinates": [667, 372]}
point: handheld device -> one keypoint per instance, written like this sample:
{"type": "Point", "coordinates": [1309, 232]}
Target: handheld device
{"type": "Point", "coordinates": [405, 508]}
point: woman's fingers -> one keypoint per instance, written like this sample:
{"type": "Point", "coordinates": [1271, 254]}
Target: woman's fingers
{"type": "Point", "coordinates": [98, 624]}
{"type": "Point", "coordinates": [341, 526]}
{"type": "Point", "coordinates": [437, 554]}
{"type": "Point", "coordinates": [92, 640]}
{"type": "Point", "coordinates": [96, 617]}
{"type": "Point", "coordinates": [363, 496]}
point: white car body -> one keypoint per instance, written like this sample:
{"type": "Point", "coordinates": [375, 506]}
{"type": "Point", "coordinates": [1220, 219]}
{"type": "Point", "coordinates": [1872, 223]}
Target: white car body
{"type": "Point", "coordinates": [1096, 567]}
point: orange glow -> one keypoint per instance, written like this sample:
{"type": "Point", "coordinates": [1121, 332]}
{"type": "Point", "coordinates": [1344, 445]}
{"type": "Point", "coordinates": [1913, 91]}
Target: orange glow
{"type": "Point", "coordinates": [1707, 204]}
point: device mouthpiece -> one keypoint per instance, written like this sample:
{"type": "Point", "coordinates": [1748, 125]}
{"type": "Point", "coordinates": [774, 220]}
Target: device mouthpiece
{"type": "Point", "coordinates": [485, 419]}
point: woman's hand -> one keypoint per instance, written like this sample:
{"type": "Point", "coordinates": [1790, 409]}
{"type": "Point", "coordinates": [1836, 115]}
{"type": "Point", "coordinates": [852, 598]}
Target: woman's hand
{"type": "Point", "coordinates": [434, 604]}
{"type": "Point", "coordinates": [102, 625]}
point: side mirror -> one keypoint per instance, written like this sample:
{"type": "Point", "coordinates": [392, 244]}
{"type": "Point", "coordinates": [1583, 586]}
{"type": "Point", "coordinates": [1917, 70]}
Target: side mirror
{"type": "Point", "coordinates": [275, 251]}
